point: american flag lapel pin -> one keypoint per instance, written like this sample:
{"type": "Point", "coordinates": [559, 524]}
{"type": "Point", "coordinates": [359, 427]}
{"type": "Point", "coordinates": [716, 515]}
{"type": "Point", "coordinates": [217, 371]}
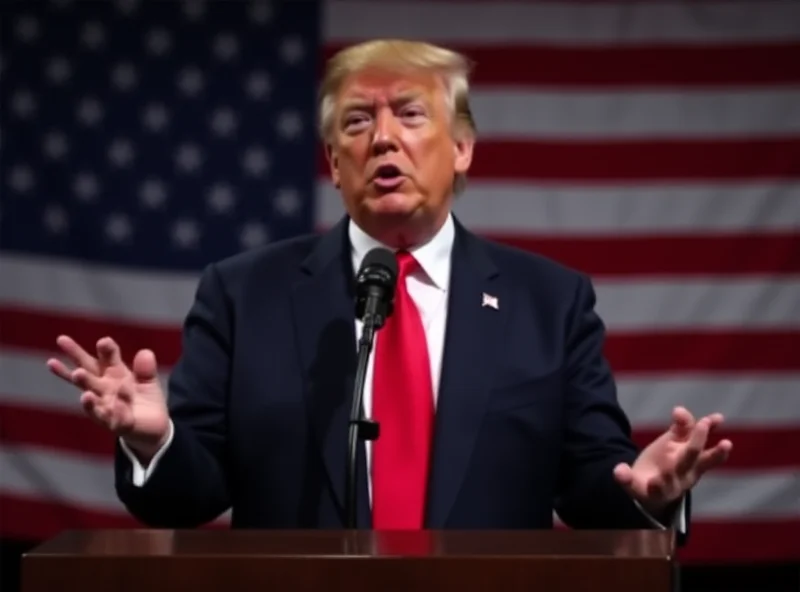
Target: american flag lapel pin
{"type": "Point", "coordinates": [490, 301]}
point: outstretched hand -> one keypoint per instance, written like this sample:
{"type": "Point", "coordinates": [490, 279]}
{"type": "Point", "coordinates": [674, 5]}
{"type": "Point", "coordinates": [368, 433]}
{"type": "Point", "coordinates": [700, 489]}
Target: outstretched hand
{"type": "Point", "coordinates": [127, 401]}
{"type": "Point", "coordinates": [674, 462]}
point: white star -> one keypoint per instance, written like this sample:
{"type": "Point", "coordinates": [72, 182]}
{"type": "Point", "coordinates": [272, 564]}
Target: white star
{"type": "Point", "coordinates": [23, 104]}
{"type": "Point", "coordinates": [152, 193]}
{"type": "Point", "coordinates": [124, 76]}
{"type": "Point", "coordinates": [226, 46]}
{"type": "Point", "coordinates": [287, 202]}
{"type": "Point", "coordinates": [155, 117]}
{"type": "Point", "coordinates": [290, 124]}
{"type": "Point", "coordinates": [118, 228]}
{"type": "Point", "coordinates": [127, 7]}
{"type": "Point", "coordinates": [86, 187]}
{"type": "Point", "coordinates": [93, 35]}
{"type": "Point", "coordinates": [256, 161]}
{"type": "Point", "coordinates": [55, 145]}
{"type": "Point", "coordinates": [292, 50]}
{"type": "Point", "coordinates": [194, 9]}
{"type": "Point", "coordinates": [55, 219]}
{"type": "Point", "coordinates": [258, 85]}
{"type": "Point", "coordinates": [221, 198]}
{"type": "Point", "coordinates": [191, 81]}
{"type": "Point", "coordinates": [260, 12]}
{"type": "Point", "coordinates": [253, 234]}
{"type": "Point", "coordinates": [223, 122]}
{"type": "Point", "coordinates": [27, 29]}
{"type": "Point", "coordinates": [158, 41]}
{"type": "Point", "coordinates": [58, 70]}
{"type": "Point", "coordinates": [90, 111]}
{"type": "Point", "coordinates": [121, 152]}
{"type": "Point", "coordinates": [21, 178]}
{"type": "Point", "coordinates": [189, 158]}
{"type": "Point", "coordinates": [185, 233]}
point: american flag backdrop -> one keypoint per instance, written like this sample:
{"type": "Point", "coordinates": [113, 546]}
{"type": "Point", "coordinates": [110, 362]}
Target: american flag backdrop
{"type": "Point", "coordinates": [655, 146]}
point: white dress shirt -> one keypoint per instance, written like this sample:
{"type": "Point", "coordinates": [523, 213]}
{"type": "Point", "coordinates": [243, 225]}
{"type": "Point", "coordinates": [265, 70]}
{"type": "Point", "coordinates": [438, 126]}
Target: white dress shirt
{"type": "Point", "coordinates": [428, 286]}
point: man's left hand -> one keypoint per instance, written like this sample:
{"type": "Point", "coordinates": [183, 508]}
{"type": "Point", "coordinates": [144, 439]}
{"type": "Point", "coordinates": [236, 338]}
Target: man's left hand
{"type": "Point", "coordinates": [672, 464]}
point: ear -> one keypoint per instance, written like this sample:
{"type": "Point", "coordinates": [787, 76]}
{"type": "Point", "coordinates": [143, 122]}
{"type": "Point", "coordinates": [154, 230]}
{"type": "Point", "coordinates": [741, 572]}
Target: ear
{"type": "Point", "coordinates": [463, 146]}
{"type": "Point", "coordinates": [333, 163]}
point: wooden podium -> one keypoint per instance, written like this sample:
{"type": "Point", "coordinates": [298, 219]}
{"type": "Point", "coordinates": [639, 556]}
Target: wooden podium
{"type": "Point", "coordinates": [277, 561]}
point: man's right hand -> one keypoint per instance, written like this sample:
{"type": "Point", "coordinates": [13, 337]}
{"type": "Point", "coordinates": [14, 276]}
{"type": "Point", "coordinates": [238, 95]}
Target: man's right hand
{"type": "Point", "coordinates": [128, 401]}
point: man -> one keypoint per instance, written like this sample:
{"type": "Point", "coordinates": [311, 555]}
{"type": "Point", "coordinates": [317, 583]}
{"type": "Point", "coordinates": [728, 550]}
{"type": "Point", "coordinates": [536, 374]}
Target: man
{"type": "Point", "coordinates": [495, 403]}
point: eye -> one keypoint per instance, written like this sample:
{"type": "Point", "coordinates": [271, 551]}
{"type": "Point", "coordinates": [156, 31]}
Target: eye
{"type": "Point", "coordinates": [355, 119]}
{"type": "Point", "coordinates": [413, 111]}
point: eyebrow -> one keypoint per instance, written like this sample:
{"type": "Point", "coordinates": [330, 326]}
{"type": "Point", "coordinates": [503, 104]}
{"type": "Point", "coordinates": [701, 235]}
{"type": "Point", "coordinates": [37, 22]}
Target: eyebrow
{"type": "Point", "coordinates": [360, 103]}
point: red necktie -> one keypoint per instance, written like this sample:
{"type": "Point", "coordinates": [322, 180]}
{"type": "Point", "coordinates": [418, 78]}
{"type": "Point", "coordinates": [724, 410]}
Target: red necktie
{"type": "Point", "coordinates": [403, 405]}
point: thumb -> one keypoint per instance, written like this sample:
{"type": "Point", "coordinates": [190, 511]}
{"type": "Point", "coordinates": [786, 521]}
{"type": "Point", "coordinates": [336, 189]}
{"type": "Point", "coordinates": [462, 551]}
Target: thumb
{"type": "Point", "coordinates": [624, 476]}
{"type": "Point", "coordinates": [145, 368]}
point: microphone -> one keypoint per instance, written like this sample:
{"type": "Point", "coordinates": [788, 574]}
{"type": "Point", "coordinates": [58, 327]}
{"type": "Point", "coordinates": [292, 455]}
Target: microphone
{"type": "Point", "coordinates": [376, 281]}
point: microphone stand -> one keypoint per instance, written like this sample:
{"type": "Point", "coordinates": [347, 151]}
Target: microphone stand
{"type": "Point", "coordinates": [360, 428]}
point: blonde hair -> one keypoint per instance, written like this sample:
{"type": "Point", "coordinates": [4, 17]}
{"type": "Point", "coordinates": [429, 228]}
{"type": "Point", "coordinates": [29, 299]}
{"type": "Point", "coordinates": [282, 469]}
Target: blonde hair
{"type": "Point", "coordinates": [401, 56]}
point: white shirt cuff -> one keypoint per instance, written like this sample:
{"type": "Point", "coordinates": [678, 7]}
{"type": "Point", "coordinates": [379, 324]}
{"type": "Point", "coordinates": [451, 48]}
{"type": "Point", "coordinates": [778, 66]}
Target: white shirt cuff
{"type": "Point", "coordinates": [142, 474]}
{"type": "Point", "coordinates": [679, 522]}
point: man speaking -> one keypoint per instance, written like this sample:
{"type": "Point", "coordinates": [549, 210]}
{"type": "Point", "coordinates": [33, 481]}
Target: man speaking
{"type": "Point", "coordinates": [487, 380]}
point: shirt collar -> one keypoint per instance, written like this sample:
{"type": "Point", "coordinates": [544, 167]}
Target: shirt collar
{"type": "Point", "coordinates": [432, 256]}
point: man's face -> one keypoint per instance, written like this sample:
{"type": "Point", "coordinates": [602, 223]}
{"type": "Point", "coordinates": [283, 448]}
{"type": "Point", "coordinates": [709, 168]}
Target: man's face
{"type": "Point", "coordinates": [393, 154]}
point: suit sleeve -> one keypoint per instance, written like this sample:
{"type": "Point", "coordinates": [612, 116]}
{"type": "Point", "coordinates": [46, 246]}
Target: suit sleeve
{"type": "Point", "coordinates": [189, 485]}
{"type": "Point", "coordinates": [598, 433]}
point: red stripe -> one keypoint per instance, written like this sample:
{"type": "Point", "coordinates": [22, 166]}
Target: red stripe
{"type": "Point", "coordinates": [722, 351]}
{"type": "Point", "coordinates": [643, 256]}
{"type": "Point", "coordinates": [734, 542]}
{"type": "Point", "coordinates": [634, 65]}
{"type": "Point", "coordinates": [725, 351]}
{"type": "Point", "coordinates": [757, 449]}
{"type": "Point", "coordinates": [630, 160]}
{"type": "Point", "coordinates": [47, 428]}
{"type": "Point", "coordinates": [28, 329]}
{"type": "Point", "coordinates": [23, 518]}
{"type": "Point", "coordinates": [754, 448]}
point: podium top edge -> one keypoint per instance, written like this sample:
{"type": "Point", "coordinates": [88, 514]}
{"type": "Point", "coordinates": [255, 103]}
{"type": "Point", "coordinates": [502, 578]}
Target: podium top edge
{"type": "Point", "coordinates": [630, 544]}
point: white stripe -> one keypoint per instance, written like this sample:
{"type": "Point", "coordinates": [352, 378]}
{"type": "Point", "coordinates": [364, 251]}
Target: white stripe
{"type": "Point", "coordinates": [562, 23]}
{"type": "Point", "coordinates": [95, 290]}
{"type": "Point", "coordinates": [88, 483]}
{"type": "Point", "coordinates": [614, 210]}
{"type": "Point", "coordinates": [689, 304]}
{"type": "Point", "coordinates": [625, 305]}
{"type": "Point", "coordinates": [745, 400]}
{"type": "Point", "coordinates": [25, 380]}
{"type": "Point", "coordinates": [61, 477]}
{"type": "Point", "coordinates": [505, 113]}
{"type": "Point", "coordinates": [748, 495]}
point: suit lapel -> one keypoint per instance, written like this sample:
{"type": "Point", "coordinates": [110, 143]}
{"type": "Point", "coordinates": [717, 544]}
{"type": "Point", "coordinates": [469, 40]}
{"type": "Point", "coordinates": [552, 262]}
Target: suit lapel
{"type": "Point", "coordinates": [324, 316]}
{"type": "Point", "coordinates": [471, 348]}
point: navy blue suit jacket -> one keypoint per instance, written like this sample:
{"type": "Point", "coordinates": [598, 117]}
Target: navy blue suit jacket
{"type": "Point", "coordinates": [527, 417]}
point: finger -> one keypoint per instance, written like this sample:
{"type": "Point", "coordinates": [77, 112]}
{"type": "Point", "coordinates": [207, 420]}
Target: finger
{"type": "Point", "coordinates": [60, 369]}
{"type": "Point", "coordinates": [145, 367]}
{"type": "Point", "coordinates": [77, 354]}
{"type": "Point", "coordinates": [682, 422]}
{"type": "Point", "coordinates": [623, 474]}
{"type": "Point", "coordinates": [693, 448]}
{"type": "Point", "coordinates": [108, 352]}
{"type": "Point", "coordinates": [713, 457]}
{"type": "Point", "coordinates": [87, 381]}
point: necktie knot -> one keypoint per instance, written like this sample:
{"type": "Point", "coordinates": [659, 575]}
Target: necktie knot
{"type": "Point", "coordinates": [406, 264]}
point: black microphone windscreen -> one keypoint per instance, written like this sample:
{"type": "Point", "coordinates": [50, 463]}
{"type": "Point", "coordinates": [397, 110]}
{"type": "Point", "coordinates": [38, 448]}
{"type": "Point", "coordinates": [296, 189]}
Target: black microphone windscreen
{"type": "Point", "coordinates": [381, 257]}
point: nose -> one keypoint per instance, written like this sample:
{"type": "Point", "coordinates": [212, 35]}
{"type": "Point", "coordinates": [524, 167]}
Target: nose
{"type": "Point", "coordinates": [384, 138]}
